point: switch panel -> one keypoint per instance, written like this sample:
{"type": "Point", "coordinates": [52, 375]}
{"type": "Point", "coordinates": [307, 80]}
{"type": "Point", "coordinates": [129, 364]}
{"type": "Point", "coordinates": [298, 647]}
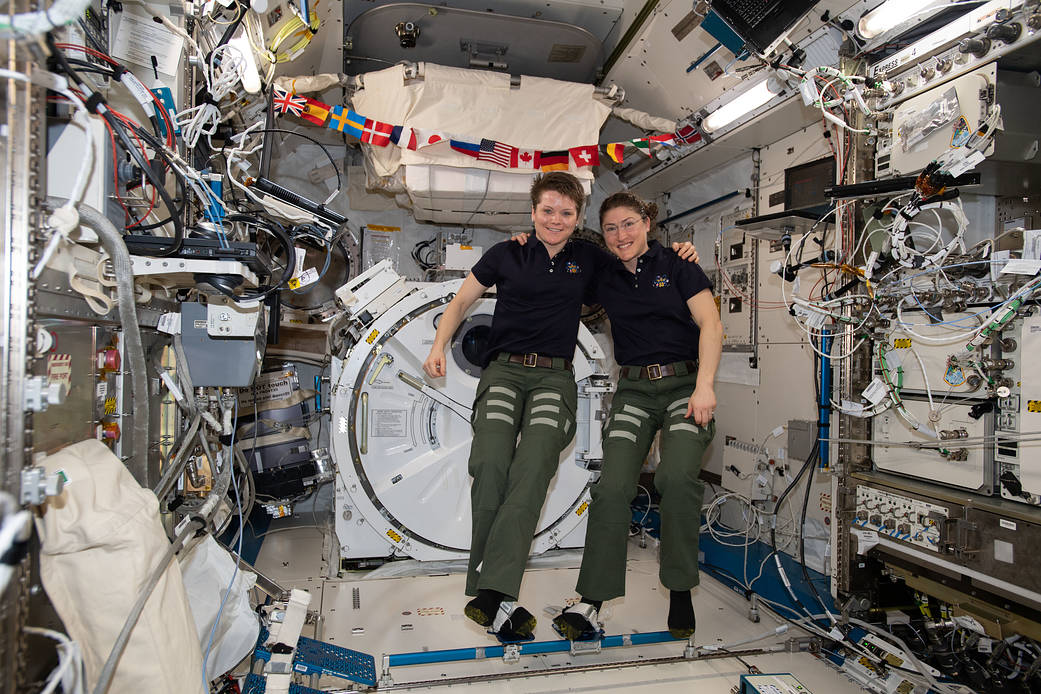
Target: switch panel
{"type": "Point", "coordinates": [901, 517]}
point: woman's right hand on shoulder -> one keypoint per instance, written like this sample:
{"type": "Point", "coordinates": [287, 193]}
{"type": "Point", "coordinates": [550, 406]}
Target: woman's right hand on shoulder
{"type": "Point", "coordinates": [434, 366]}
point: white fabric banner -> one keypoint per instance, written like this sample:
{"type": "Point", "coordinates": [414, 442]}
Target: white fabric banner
{"type": "Point", "coordinates": [542, 114]}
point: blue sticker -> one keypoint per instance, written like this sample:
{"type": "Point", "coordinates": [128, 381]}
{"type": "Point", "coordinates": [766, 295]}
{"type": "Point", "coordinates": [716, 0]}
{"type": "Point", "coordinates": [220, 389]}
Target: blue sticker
{"type": "Point", "coordinates": [954, 376]}
{"type": "Point", "coordinates": [165, 95]}
{"type": "Point", "coordinates": [961, 132]}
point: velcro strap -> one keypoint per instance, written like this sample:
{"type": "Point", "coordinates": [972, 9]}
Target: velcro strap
{"type": "Point", "coordinates": [506, 610]}
{"type": "Point", "coordinates": [587, 611]}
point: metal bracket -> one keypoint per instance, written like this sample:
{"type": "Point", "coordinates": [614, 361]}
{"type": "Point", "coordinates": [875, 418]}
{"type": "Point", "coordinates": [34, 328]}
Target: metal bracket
{"type": "Point", "coordinates": [586, 647]}
{"type": "Point", "coordinates": [511, 653]}
{"type": "Point", "coordinates": [801, 644]}
{"type": "Point", "coordinates": [37, 485]}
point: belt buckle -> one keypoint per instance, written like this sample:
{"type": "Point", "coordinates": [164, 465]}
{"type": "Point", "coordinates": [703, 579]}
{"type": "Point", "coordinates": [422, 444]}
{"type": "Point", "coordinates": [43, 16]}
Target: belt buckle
{"type": "Point", "coordinates": [530, 359]}
{"type": "Point", "coordinates": [654, 372]}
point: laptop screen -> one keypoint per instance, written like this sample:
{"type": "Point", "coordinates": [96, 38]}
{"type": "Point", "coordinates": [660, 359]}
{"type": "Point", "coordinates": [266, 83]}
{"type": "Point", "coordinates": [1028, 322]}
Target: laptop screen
{"type": "Point", "coordinates": [761, 22]}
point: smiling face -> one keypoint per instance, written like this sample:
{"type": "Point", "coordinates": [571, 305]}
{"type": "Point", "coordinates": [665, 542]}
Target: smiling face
{"type": "Point", "coordinates": [625, 232]}
{"type": "Point", "coordinates": [555, 218]}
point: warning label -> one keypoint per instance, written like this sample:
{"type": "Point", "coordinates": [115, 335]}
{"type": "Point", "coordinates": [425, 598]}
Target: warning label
{"type": "Point", "coordinates": [274, 386]}
{"type": "Point", "coordinates": [59, 369]}
{"type": "Point", "coordinates": [389, 423]}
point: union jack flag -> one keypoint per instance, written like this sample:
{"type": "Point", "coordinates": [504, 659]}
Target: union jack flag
{"type": "Point", "coordinates": [285, 102]}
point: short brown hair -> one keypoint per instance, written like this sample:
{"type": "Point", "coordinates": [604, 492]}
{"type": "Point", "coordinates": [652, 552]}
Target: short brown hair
{"type": "Point", "coordinates": [631, 200]}
{"type": "Point", "coordinates": [558, 182]}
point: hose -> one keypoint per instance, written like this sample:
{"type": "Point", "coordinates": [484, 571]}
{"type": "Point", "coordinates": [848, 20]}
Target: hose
{"type": "Point", "coordinates": [107, 672]}
{"type": "Point", "coordinates": [176, 465]}
{"type": "Point", "coordinates": [112, 242]}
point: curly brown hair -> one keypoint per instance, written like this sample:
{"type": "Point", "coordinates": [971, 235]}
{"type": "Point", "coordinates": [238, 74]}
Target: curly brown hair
{"type": "Point", "coordinates": [632, 201]}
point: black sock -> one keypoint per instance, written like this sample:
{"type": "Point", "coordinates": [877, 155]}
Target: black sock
{"type": "Point", "coordinates": [482, 608]}
{"type": "Point", "coordinates": [681, 614]}
{"type": "Point", "coordinates": [595, 603]}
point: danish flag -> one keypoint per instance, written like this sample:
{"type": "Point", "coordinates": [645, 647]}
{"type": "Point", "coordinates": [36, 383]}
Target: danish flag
{"type": "Point", "coordinates": [376, 133]}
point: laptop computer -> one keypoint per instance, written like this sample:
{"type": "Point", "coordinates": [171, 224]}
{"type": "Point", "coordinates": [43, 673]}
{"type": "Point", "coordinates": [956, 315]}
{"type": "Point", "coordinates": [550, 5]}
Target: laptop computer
{"type": "Point", "coordinates": [762, 23]}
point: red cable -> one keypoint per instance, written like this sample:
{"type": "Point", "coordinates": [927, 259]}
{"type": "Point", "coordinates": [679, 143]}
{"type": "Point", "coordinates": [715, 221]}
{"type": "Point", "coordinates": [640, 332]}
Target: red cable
{"type": "Point", "coordinates": [101, 56]}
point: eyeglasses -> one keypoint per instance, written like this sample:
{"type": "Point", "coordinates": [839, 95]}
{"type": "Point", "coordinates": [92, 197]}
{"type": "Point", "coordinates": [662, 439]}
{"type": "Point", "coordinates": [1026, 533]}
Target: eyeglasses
{"type": "Point", "coordinates": [626, 225]}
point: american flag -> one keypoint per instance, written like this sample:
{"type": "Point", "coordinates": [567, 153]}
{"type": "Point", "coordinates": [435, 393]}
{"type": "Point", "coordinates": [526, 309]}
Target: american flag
{"type": "Point", "coordinates": [285, 102]}
{"type": "Point", "coordinates": [498, 153]}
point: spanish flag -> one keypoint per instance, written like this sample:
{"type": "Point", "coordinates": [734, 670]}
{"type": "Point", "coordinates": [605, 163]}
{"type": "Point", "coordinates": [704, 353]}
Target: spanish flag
{"type": "Point", "coordinates": [315, 111]}
{"type": "Point", "coordinates": [615, 150]}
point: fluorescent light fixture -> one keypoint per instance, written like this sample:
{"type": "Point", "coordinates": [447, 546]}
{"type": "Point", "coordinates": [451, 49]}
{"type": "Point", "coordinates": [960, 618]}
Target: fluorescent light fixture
{"type": "Point", "coordinates": [748, 101]}
{"type": "Point", "coordinates": [888, 15]}
{"type": "Point", "coordinates": [250, 75]}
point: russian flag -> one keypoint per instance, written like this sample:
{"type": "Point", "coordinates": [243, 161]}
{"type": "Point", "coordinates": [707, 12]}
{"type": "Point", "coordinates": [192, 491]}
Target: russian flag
{"type": "Point", "coordinates": [470, 149]}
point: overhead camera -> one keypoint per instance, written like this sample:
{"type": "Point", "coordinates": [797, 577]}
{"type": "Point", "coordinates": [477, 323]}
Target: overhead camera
{"type": "Point", "coordinates": [407, 33]}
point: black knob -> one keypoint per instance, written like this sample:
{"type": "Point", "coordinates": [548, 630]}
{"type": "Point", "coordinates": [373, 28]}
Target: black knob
{"type": "Point", "coordinates": [1006, 33]}
{"type": "Point", "coordinates": [976, 47]}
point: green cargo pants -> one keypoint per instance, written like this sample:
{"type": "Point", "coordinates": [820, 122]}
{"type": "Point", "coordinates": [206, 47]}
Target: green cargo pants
{"type": "Point", "coordinates": [640, 408]}
{"type": "Point", "coordinates": [511, 477]}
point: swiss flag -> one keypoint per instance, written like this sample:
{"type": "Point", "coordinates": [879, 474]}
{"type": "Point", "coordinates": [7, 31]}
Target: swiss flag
{"type": "Point", "coordinates": [586, 155]}
{"type": "Point", "coordinates": [527, 159]}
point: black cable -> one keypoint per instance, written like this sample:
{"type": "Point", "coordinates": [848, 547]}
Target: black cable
{"type": "Point", "coordinates": [802, 540]}
{"type": "Point", "coordinates": [225, 285]}
{"type": "Point", "coordinates": [339, 181]}
{"type": "Point", "coordinates": [96, 104]}
{"type": "Point", "coordinates": [182, 186]}
{"type": "Point", "coordinates": [87, 66]}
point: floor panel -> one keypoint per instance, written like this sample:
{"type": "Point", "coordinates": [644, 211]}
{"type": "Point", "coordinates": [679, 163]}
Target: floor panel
{"type": "Point", "coordinates": [419, 613]}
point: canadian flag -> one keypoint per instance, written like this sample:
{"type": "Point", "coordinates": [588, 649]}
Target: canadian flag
{"type": "Point", "coordinates": [526, 158]}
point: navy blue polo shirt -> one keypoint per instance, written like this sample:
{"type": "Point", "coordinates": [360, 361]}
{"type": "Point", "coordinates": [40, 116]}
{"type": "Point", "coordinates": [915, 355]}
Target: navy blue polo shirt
{"type": "Point", "coordinates": [539, 299]}
{"type": "Point", "coordinates": [650, 319]}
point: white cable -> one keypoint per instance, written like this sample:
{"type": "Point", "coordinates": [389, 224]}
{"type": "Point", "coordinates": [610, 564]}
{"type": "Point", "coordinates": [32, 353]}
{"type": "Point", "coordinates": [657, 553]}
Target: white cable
{"type": "Point", "coordinates": [69, 656]}
{"type": "Point", "coordinates": [925, 377]}
{"type": "Point", "coordinates": [15, 528]}
{"type": "Point", "coordinates": [60, 13]}
{"type": "Point", "coordinates": [64, 219]}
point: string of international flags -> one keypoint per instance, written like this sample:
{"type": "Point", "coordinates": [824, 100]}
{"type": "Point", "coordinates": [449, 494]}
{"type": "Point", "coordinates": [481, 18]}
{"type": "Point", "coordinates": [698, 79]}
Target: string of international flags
{"type": "Point", "coordinates": [381, 134]}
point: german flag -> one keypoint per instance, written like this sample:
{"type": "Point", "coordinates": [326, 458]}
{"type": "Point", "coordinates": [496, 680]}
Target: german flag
{"type": "Point", "coordinates": [615, 150]}
{"type": "Point", "coordinates": [554, 160]}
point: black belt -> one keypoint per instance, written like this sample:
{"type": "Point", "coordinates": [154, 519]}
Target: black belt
{"type": "Point", "coordinates": [655, 372]}
{"type": "Point", "coordinates": [531, 359]}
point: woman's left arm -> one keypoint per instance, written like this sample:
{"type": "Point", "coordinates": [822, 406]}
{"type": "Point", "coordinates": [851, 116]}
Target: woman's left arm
{"type": "Point", "coordinates": [702, 404]}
